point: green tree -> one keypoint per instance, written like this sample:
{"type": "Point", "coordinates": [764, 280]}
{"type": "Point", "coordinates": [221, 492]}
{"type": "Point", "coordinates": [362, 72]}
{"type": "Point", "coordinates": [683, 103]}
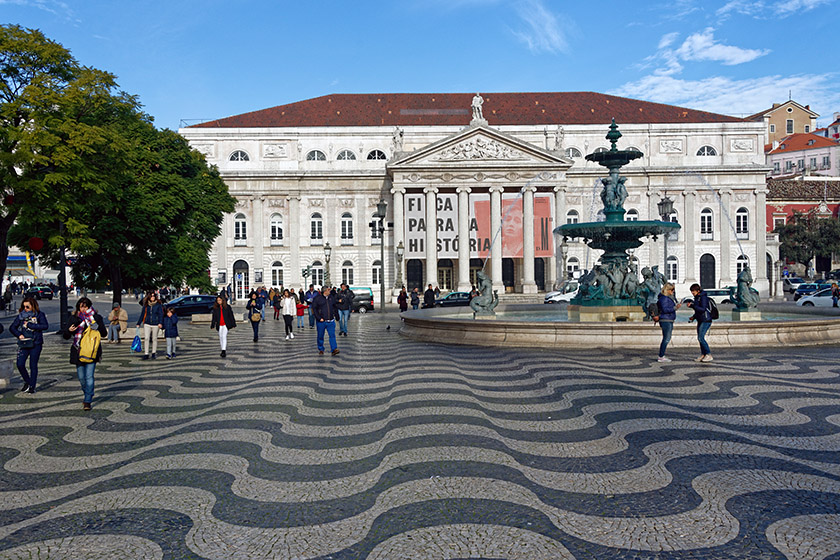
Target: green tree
{"type": "Point", "coordinates": [806, 236]}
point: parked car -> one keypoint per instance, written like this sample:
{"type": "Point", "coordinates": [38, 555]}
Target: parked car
{"type": "Point", "coordinates": [362, 299]}
{"type": "Point", "coordinates": [833, 275]}
{"type": "Point", "coordinates": [720, 295]}
{"type": "Point", "coordinates": [565, 294]}
{"type": "Point", "coordinates": [790, 284]}
{"type": "Point", "coordinates": [187, 305]}
{"type": "Point", "coordinates": [454, 299]}
{"type": "Point", "coordinates": [817, 299]}
{"type": "Point", "coordinates": [39, 292]}
{"type": "Point", "coordinates": [808, 288]}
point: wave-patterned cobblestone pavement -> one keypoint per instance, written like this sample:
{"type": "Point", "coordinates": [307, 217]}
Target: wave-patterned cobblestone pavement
{"type": "Point", "coordinates": [395, 449]}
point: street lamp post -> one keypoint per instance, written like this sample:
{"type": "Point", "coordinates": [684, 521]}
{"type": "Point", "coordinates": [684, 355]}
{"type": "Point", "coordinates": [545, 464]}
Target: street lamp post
{"type": "Point", "coordinates": [564, 253]}
{"type": "Point", "coordinates": [666, 208]}
{"type": "Point", "coordinates": [327, 253]}
{"type": "Point", "coordinates": [381, 208]}
{"type": "Point", "coordinates": [400, 252]}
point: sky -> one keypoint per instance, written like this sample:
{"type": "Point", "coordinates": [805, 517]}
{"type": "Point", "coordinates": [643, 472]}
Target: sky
{"type": "Point", "coordinates": [189, 61]}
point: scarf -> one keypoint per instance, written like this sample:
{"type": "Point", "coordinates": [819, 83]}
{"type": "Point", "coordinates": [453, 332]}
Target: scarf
{"type": "Point", "coordinates": [86, 318]}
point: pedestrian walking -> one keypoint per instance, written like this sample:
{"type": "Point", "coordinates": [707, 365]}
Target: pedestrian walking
{"type": "Point", "coordinates": [289, 312]}
{"type": "Point", "coordinates": [666, 315]}
{"type": "Point", "coordinates": [325, 313]}
{"type": "Point", "coordinates": [223, 321]}
{"type": "Point", "coordinates": [151, 319]}
{"type": "Point", "coordinates": [84, 319]}
{"type": "Point", "coordinates": [117, 323]}
{"type": "Point", "coordinates": [170, 332]}
{"type": "Point", "coordinates": [277, 303]}
{"type": "Point", "coordinates": [415, 298]}
{"type": "Point", "coordinates": [344, 304]}
{"type": "Point", "coordinates": [429, 297]}
{"type": "Point", "coordinates": [703, 315]}
{"type": "Point", "coordinates": [308, 297]}
{"type": "Point", "coordinates": [402, 300]}
{"type": "Point", "coordinates": [301, 313]}
{"type": "Point", "coordinates": [253, 310]}
{"type": "Point", "coordinates": [835, 294]}
{"type": "Point", "coordinates": [29, 327]}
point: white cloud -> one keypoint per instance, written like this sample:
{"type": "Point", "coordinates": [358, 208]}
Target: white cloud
{"type": "Point", "coordinates": [761, 9]}
{"type": "Point", "coordinates": [702, 46]}
{"type": "Point", "coordinates": [720, 94]}
{"type": "Point", "coordinates": [542, 31]}
{"type": "Point", "coordinates": [52, 6]}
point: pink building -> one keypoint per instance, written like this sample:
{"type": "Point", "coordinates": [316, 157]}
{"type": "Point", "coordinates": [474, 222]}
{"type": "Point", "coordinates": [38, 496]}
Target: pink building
{"type": "Point", "coordinates": [803, 154]}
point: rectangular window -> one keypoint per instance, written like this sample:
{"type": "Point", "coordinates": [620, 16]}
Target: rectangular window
{"type": "Point", "coordinates": [801, 163]}
{"type": "Point", "coordinates": [778, 222]}
{"type": "Point", "coordinates": [807, 128]}
{"type": "Point", "coordinates": [347, 276]}
{"type": "Point", "coordinates": [742, 226]}
{"type": "Point", "coordinates": [772, 128]}
{"type": "Point", "coordinates": [777, 168]}
{"type": "Point", "coordinates": [706, 231]}
{"type": "Point", "coordinates": [317, 230]}
{"type": "Point", "coordinates": [276, 276]}
{"type": "Point", "coordinates": [377, 274]}
{"type": "Point", "coordinates": [826, 163]}
{"type": "Point", "coordinates": [788, 166]}
{"type": "Point", "coordinates": [789, 126]}
{"type": "Point", "coordinates": [813, 163]}
{"type": "Point", "coordinates": [671, 273]}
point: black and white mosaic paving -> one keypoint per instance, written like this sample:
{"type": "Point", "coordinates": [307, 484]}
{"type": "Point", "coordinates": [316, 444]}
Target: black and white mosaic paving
{"type": "Point", "coordinates": [396, 449]}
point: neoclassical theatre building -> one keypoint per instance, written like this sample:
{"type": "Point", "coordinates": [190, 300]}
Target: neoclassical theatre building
{"type": "Point", "coordinates": [474, 182]}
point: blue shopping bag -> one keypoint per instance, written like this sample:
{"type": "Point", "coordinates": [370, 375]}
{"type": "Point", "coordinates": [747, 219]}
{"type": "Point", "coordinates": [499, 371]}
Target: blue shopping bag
{"type": "Point", "coordinates": [136, 344]}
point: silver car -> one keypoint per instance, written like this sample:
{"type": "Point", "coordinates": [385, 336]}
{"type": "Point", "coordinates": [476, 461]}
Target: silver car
{"type": "Point", "coordinates": [568, 291]}
{"type": "Point", "coordinates": [818, 299]}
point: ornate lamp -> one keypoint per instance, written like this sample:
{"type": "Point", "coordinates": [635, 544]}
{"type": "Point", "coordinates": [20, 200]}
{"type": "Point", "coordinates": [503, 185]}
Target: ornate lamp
{"type": "Point", "coordinates": [381, 210]}
{"type": "Point", "coordinates": [666, 208]}
{"type": "Point", "coordinates": [327, 254]}
{"type": "Point", "coordinates": [400, 252]}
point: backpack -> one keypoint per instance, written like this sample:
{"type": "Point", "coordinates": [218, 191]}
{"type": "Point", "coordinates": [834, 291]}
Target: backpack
{"type": "Point", "coordinates": [713, 310]}
{"type": "Point", "coordinates": [89, 344]}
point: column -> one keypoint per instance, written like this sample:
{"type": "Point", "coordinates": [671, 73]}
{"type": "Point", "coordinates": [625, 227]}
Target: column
{"type": "Point", "coordinates": [399, 230]}
{"type": "Point", "coordinates": [690, 237]}
{"type": "Point", "coordinates": [464, 239]}
{"type": "Point", "coordinates": [529, 286]}
{"type": "Point", "coordinates": [495, 233]}
{"type": "Point", "coordinates": [559, 220]}
{"type": "Point", "coordinates": [725, 238]}
{"type": "Point", "coordinates": [759, 270]}
{"type": "Point", "coordinates": [294, 238]}
{"type": "Point", "coordinates": [258, 210]}
{"type": "Point", "coordinates": [431, 236]}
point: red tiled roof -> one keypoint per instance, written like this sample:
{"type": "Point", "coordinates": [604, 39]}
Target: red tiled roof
{"type": "Point", "coordinates": [407, 109]}
{"type": "Point", "coordinates": [792, 189]}
{"type": "Point", "coordinates": [801, 141]}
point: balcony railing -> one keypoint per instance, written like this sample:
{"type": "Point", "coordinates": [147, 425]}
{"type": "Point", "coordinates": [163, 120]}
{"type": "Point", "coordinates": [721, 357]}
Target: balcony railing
{"type": "Point", "coordinates": [710, 236]}
{"type": "Point", "coordinates": [239, 241]}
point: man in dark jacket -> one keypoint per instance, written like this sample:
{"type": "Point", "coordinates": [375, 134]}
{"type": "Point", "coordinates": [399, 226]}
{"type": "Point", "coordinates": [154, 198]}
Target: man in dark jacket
{"type": "Point", "coordinates": [703, 315]}
{"type": "Point", "coordinates": [429, 297]}
{"type": "Point", "coordinates": [344, 303]}
{"type": "Point", "coordinates": [325, 313]}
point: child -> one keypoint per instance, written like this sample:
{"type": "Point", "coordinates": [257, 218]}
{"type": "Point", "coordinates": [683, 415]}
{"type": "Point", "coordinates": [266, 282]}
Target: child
{"type": "Point", "coordinates": [301, 311]}
{"type": "Point", "coordinates": [170, 331]}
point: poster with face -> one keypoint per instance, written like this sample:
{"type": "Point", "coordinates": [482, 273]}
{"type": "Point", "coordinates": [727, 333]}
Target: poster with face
{"type": "Point", "coordinates": [511, 231]}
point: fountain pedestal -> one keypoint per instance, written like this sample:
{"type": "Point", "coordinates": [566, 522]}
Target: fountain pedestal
{"type": "Point", "coordinates": [751, 315]}
{"type": "Point", "coordinates": [606, 313]}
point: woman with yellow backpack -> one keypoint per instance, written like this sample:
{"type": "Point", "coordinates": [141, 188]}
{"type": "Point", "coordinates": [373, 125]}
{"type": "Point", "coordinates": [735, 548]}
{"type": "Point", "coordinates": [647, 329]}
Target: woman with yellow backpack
{"type": "Point", "coordinates": [87, 328]}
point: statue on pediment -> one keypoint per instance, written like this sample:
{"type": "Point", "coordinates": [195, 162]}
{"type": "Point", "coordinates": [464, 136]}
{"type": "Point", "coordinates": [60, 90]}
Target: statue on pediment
{"type": "Point", "coordinates": [477, 111]}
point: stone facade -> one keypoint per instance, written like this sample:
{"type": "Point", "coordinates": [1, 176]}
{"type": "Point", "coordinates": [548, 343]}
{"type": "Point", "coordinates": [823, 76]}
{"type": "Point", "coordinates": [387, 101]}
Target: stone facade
{"type": "Point", "coordinates": [300, 187]}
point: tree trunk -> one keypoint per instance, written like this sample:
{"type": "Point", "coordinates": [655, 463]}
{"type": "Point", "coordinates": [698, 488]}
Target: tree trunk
{"type": "Point", "coordinates": [116, 283]}
{"type": "Point", "coordinates": [5, 225]}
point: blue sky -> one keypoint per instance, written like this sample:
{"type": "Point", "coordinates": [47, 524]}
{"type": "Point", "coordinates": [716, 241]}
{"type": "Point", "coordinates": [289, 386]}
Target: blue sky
{"type": "Point", "coordinates": [199, 60]}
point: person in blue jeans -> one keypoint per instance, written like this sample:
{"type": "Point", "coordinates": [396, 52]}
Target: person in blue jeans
{"type": "Point", "coordinates": [309, 296]}
{"type": "Point", "coordinates": [344, 303]}
{"type": "Point", "coordinates": [254, 307]}
{"type": "Point", "coordinates": [667, 315]}
{"type": "Point", "coordinates": [325, 313]}
{"type": "Point", "coordinates": [85, 316]}
{"type": "Point", "coordinates": [28, 327]}
{"type": "Point", "coordinates": [703, 315]}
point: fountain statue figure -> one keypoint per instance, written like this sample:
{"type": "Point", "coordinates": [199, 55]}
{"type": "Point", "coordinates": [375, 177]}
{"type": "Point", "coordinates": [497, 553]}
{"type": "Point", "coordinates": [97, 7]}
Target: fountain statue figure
{"type": "Point", "coordinates": [487, 299]}
{"type": "Point", "coordinates": [744, 296]}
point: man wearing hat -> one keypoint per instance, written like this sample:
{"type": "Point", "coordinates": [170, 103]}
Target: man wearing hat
{"type": "Point", "coordinates": [117, 323]}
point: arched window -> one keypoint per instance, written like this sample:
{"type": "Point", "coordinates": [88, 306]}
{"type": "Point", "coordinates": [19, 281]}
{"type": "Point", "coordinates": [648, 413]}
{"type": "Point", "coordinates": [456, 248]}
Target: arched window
{"type": "Point", "coordinates": [672, 268]}
{"type": "Point", "coordinates": [276, 225]}
{"type": "Point", "coordinates": [316, 228]}
{"type": "Point", "coordinates": [631, 215]}
{"type": "Point", "coordinates": [347, 229]}
{"type": "Point", "coordinates": [239, 155]}
{"type": "Point", "coordinates": [347, 273]}
{"type": "Point", "coordinates": [742, 223]}
{"type": "Point", "coordinates": [376, 272]}
{"type": "Point", "coordinates": [317, 277]}
{"type": "Point", "coordinates": [316, 155]}
{"type": "Point", "coordinates": [706, 151]}
{"type": "Point", "coordinates": [573, 153]}
{"type": "Point", "coordinates": [707, 231]}
{"type": "Point", "coordinates": [240, 229]}
{"type": "Point", "coordinates": [572, 217]}
{"type": "Point", "coordinates": [741, 263]}
{"type": "Point", "coordinates": [276, 273]}
{"type": "Point", "coordinates": [572, 266]}
{"type": "Point", "coordinates": [345, 155]}
{"type": "Point", "coordinates": [600, 149]}
{"type": "Point", "coordinates": [376, 154]}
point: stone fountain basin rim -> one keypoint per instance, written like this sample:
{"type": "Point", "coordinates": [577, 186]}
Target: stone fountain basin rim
{"type": "Point", "coordinates": [431, 325]}
{"type": "Point", "coordinates": [642, 228]}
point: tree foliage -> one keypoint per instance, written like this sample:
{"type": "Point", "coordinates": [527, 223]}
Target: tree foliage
{"type": "Point", "coordinates": [806, 236]}
{"type": "Point", "coordinates": [88, 170]}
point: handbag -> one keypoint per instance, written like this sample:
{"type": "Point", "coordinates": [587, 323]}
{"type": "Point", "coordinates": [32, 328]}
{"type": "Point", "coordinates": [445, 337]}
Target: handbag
{"type": "Point", "coordinates": [26, 343]}
{"type": "Point", "coordinates": [255, 316]}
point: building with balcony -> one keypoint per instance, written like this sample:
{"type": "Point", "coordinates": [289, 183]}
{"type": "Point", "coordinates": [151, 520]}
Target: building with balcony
{"type": "Point", "coordinates": [803, 154]}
